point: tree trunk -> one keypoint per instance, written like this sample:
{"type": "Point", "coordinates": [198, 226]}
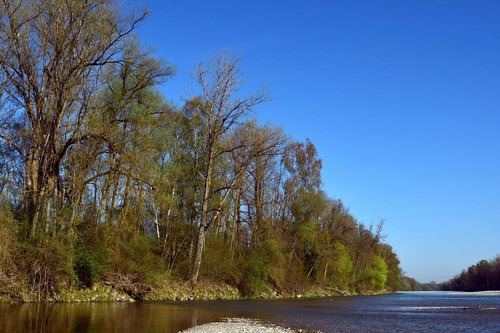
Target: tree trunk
{"type": "Point", "coordinates": [259, 225]}
{"type": "Point", "coordinates": [236, 218]}
{"type": "Point", "coordinates": [32, 190]}
{"type": "Point", "coordinates": [204, 219]}
{"type": "Point", "coordinates": [197, 258]}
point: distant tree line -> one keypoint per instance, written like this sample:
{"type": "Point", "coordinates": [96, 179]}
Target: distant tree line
{"type": "Point", "coordinates": [101, 180]}
{"type": "Point", "coordinates": [485, 275]}
{"type": "Point", "coordinates": [409, 284]}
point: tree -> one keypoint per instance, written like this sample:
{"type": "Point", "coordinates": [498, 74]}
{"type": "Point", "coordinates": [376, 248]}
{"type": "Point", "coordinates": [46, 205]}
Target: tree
{"type": "Point", "coordinates": [222, 109]}
{"type": "Point", "coordinates": [264, 144]}
{"type": "Point", "coordinates": [394, 271]}
{"type": "Point", "coordinates": [306, 201]}
{"type": "Point", "coordinates": [100, 179]}
{"type": "Point", "coordinates": [341, 269]}
{"type": "Point", "coordinates": [374, 276]}
{"type": "Point", "coordinates": [485, 275]}
{"type": "Point", "coordinates": [55, 56]}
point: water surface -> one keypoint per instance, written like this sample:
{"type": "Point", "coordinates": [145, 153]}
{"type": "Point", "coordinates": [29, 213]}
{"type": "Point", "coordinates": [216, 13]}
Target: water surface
{"type": "Point", "coordinates": [401, 312]}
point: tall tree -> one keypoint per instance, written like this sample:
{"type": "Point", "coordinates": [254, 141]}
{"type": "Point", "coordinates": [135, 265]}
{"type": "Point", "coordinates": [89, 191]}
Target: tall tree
{"type": "Point", "coordinates": [222, 109]}
{"type": "Point", "coordinates": [54, 57]}
{"type": "Point", "coordinates": [306, 201]}
{"type": "Point", "coordinates": [267, 145]}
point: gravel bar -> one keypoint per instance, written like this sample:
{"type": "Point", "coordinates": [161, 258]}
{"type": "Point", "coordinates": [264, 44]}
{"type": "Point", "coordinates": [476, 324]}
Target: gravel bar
{"type": "Point", "coordinates": [238, 325]}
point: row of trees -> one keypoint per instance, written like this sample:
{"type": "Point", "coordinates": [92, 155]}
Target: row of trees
{"type": "Point", "coordinates": [101, 179]}
{"type": "Point", "coordinates": [485, 275]}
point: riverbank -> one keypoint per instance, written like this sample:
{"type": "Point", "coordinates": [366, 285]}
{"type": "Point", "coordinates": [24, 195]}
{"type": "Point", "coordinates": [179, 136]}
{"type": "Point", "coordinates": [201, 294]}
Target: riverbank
{"type": "Point", "coordinates": [174, 290]}
{"type": "Point", "coordinates": [400, 312]}
{"type": "Point", "coordinates": [182, 291]}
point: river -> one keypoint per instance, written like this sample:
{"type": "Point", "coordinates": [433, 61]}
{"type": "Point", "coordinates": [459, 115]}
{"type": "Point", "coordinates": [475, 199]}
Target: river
{"type": "Point", "coordinates": [400, 312]}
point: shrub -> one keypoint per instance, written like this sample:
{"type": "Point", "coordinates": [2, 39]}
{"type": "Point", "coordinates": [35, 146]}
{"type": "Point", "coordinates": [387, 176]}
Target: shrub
{"type": "Point", "coordinates": [218, 263]}
{"type": "Point", "coordinates": [265, 267]}
{"type": "Point", "coordinates": [88, 268]}
{"type": "Point", "coordinates": [9, 279]}
{"type": "Point", "coordinates": [342, 267]}
{"type": "Point", "coordinates": [256, 276]}
{"type": "Point", "coordinates": [276, 262]}
{"type": "Point", "coordinates": [48, 266]}
{"type": "Point", "coordinates": [375, 276]}
{"type": "Point", "coordinates": [7, 236]}
{"type": "Point", "coordinates": [132, 267]}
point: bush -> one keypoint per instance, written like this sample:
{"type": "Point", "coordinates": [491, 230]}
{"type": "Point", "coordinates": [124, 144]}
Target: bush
{"type": "Point", "coordinates": [256, 276]}
{"type": "Point", "coordinates": [48, 267]}
{"type": "Point", "coordinates": [132, 267]}
{"type": "Point", "coordinates": [9, 279]}
{"type": "Point", "coordinates": [265, 267]}
{"type": "Point", "coordinates": [375, 276]}
{"type": "Point", "coordinates": [218, 263]}
{"type": "Point", "coordinates": [88, 268]}
{"type": "Point", "coordinates": [276, 262]}
{"type": "Point", "coordinates": [7, 236]}
{"type": "Point", "coordinates": [342, 267]}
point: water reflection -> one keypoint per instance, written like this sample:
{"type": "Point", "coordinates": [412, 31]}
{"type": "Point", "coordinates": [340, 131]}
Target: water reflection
{"type": "Point", "coordinates": [102, 317]}
{"type": "Point", "coordinates": [435, 312]}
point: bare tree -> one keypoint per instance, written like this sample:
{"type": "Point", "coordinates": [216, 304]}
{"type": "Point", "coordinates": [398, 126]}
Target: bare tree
{"type": "Point", "coordinates": [252, 167]}
{"type": "Point", "coordinates": [222, 109]}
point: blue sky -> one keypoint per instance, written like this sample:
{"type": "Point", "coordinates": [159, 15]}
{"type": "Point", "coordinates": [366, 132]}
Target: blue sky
{"type": "Point", "coordinates": [401, 99]}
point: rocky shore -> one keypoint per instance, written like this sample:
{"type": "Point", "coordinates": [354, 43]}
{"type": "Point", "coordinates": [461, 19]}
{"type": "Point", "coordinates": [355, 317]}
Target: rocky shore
{"type": "Point", "coordinates": [236, 325]}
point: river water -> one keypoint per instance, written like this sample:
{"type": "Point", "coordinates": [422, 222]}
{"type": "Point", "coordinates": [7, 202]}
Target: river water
{"type": "Point", "coordinates": [400, 312]}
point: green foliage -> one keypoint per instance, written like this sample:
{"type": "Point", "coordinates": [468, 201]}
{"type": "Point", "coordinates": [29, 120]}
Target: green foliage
{"type": "Point", "coordinates": [264, 267]}
{"type": "Point", "coordinates": [307, 235]}
{"type": "Point", "coordinates": [342, 267]}
{"type": "Point", "coordinates": [124, 180]}
{"type": "Point", "coordinates": [485, 275]}
{"type": "Point", "coordinates": [273, 251]}
{"type": "Point", "coordinates": [308, 206]}
{"type": "Point", "coordinates": [219, 264]}
{"type": "Point", "coordinates": [375, 275]}
{"type": "Point", "coordinates": [9, 273]}
{"type": "Point", "coordinates": [133, 267]}
{"type": "Point", "coordinates": [256, 275]}
{"type": "Point", "coordinates": [133, 256]}
{"type": "Point", "coordinates": [88, 267]}
{"type": "Point", "coordinates": [7, 234]}
{"type": "Point", "coordinates": [48, 266]}
{"type": "Point", "coordinates": [394, 274]}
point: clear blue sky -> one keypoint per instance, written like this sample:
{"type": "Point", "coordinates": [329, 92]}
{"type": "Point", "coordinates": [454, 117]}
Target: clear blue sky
{"type": "Point", "coordinates": [401, 98]}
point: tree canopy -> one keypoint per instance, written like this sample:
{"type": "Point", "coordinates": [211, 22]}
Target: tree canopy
{"type": "Point", "coordinates": [102, 180]}
{"type": "Point", "coordinates": [485, 275]}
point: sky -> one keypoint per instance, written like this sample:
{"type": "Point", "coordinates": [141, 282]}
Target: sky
{"type": "Point", "coordinates": [401, 98]}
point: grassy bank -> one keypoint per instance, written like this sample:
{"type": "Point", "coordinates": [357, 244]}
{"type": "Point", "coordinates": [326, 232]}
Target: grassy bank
{"type": "Point", "coordinates": [173, 290]}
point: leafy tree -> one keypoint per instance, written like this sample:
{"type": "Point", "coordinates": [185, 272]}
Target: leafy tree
{"type": "Point", "coordinates": [374, 276]}
{"type": "Point", "coordinates": [54, 57]}
{"type": "Point", "coordinates": [101, 180]}
{"type": "Point", "coordinates": [341, 267]}
{"type": "Point", "coordinates": [306, 202]}
{"type": "Point", "coordinates": [485, 275]}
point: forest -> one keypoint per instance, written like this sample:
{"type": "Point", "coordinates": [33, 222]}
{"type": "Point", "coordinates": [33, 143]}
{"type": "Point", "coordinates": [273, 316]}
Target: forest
{"type": "Point", "coordinates": [485, 275]}
{"type": "Point", "coordinates": [102, 181]}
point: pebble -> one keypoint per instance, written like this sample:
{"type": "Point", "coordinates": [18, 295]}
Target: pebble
{"type": "Point", "coordinates": [236, 325]}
